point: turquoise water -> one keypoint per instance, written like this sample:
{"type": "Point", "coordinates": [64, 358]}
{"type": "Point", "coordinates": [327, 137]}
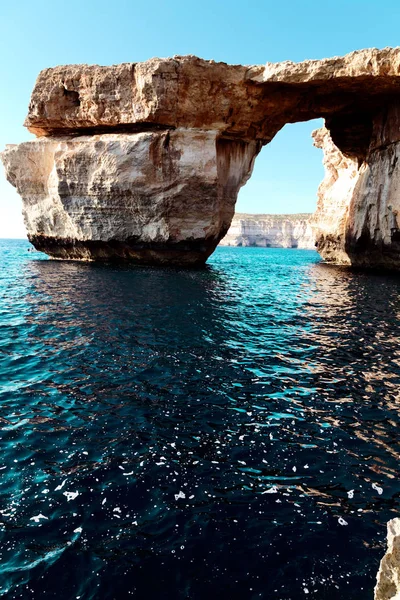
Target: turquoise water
{"type": "Point", "coordinates": [229, 432]}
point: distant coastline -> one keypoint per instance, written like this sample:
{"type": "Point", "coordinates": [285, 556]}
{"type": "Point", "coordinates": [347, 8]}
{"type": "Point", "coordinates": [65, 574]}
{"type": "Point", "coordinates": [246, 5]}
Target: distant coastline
{"type": "Point", "coordinates": [271, 231]}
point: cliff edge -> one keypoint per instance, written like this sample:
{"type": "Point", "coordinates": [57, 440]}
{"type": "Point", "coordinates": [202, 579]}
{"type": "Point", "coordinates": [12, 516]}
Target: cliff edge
{"type": "Point", "coordinates": [270, 231]}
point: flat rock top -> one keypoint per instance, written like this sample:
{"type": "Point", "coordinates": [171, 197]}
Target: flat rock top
{"type": "Point", "coordinates": [272, 217]}
{"type": "Point", "coordinates": [360, 64]}
{"type": "Point", "coordinates": [249, 102]}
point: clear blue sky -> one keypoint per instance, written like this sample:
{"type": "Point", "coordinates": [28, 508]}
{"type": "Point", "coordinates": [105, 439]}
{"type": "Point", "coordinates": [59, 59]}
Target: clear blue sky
{"type": "Point", "coordinates": [44, 33]}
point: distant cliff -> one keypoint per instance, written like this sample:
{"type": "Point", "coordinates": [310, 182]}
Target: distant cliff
{"type": "Point", "coordinates": [270, 231]}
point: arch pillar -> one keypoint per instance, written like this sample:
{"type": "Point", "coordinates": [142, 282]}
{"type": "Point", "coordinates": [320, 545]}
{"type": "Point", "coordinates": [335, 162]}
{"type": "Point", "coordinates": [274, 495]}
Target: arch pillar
{"type": "Point", "coordinates": [155, 197]}
{"type": "Point", "coordinates": [357, 217]}
{"type": "Point", "coordinates": [144, 161]}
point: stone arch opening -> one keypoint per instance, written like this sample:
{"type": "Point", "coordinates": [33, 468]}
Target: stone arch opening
{"type": "Point", "coordinates": [275, 206]}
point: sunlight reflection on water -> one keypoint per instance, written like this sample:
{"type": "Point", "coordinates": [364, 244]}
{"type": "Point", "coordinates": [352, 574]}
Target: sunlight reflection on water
{"type": "Point", "coordinates": [172, 433]}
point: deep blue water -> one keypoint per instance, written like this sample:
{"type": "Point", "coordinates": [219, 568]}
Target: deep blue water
{"type": "Point", "coordinates": [229, 432]}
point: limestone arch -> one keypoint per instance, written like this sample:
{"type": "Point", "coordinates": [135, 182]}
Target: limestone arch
{"type": "Point", "coordinates": [146, 159]}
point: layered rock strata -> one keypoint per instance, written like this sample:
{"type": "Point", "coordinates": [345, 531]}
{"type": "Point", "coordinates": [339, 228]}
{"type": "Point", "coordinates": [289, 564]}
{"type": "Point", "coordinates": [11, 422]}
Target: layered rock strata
{"type": "Point", "coordinates": [334, 198]}
{"type": "Point", "coordinates": [270, 231]}
{"type": "Point", "coordinates": [153, 197]}
{"type": "Point", "coordinates": [144, 161]}
{"type": "Point", "coordinates": [357, 217]}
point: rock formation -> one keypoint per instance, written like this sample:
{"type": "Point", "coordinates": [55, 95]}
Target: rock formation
{"type": "Point", "coordinates": [154, 196]}
{"type": "Point", "coordinates": [144, 161]}
{"type": "Point", "coordinates": [334, 196]}
{"type": "Point", "coordinates": [388, 579]}
{"type": "Point", "coordinates": [357, 217]}
{"type": "Point", "coordinates": [270, 231]}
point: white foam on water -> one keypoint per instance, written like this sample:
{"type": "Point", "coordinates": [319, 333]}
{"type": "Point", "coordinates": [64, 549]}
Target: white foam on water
{"type": "Point", "coordinates": [38, 517]}
{"type": "Point", "coordinates": [60, 487]}
{"type": "Point", "coordinates": [70, 495]}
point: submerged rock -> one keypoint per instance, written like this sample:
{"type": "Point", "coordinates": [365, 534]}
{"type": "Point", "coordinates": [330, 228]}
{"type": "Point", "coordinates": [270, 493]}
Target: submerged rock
{"type": "Point", "coordinates": [388, 579]}
{"type": "Point", "coordinates": [144, 161]}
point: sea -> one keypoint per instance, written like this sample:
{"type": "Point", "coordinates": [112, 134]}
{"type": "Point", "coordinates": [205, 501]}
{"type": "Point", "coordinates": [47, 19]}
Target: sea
{"type": "Point", "coordinates": [230, 432]}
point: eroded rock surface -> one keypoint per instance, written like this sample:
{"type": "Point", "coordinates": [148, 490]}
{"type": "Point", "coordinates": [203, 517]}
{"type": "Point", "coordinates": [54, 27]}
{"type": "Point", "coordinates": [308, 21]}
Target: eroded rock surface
{"type": "Point", "coordinates": [357, 217]}
{"type": "Point", "coordinates": [144, 161]}
{"type": "Point", "coordinates": [388, 579]}
{"type": "Point", "coordinates": [165, 196]}
{"type": "Point", "coordinates": [334, 197]}
{"type": "Point", "coordinates": [270, 231]}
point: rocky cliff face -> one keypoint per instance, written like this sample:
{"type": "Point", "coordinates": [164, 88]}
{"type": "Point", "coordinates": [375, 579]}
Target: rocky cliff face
{"type": "Point", "coordinates": [334, 197]}
{"type": "Point", "coordinates": [388, 579]}
{"type": "Point", "coordinates": [357, 217]}
{"type": "Point", "coordinates": [144, 161]}
{"type": "Point", "coordinates": [270, 231]}
{"type": "Point", "coordinates": [153, 197]}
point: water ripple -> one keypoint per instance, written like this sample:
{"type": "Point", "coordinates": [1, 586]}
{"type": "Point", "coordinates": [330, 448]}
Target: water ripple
{"type": "Point", "coordinates": [228, 432]}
